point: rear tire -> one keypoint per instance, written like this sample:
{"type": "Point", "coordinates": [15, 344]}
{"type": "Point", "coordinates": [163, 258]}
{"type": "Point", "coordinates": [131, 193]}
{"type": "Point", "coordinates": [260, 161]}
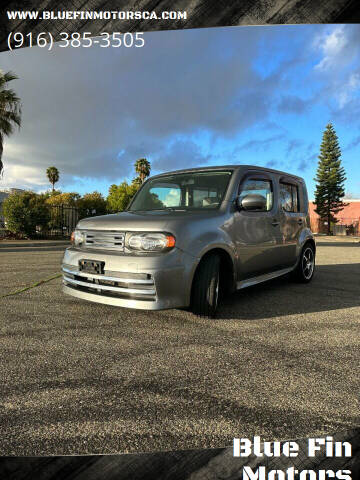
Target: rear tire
{"type": "Point", "coordinates": [206, 287]}
{"type": "Point", "coordinates": [305, 269]}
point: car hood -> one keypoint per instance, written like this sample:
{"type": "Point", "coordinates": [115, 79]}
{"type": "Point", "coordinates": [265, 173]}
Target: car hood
{"type": "Point", "coordinates": [144, 221]}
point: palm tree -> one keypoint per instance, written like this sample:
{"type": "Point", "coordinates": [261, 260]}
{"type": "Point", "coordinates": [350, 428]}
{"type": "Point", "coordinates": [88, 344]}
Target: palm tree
{"type": "Point", "coordinates": [53, 175]}
{"type": "Point", "coordinates": [10, 110]}
{"type": "Point", "coordinates": [136, 182]}
{"type": "Point", "coordinates": [142, 167]}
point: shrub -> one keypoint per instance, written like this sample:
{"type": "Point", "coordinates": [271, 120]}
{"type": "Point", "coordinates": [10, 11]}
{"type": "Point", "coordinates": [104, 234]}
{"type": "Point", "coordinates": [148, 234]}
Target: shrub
{"type": "Point", "coordinates": [24, 212]}
{"type": "Point", "coordinates": [91, 204]}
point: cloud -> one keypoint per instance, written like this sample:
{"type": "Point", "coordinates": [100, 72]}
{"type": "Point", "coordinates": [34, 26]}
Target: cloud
{"type": "Point", "coordinates": [306, 162]}
{"type": "Point", "coordinates": [310, 147]}
{"type": "Point", "coordinates": [180, 154]}
{"type": "Point", "coordinates": [353, 144]}
{"type": "Point", "coordinates": [293, 104]}
{"type": "Point", "coordinates": [271, 125]}
{"type": "Point", "coordinates": [337, 71]}
{"type": "Point", "coordinates": [93, 112]}
{"type": "Point", "coordinates": [188, 98]}
{"type": "Point", "coordinates": [345, 94]}
{"type": "Point", "coordinates": [264, 144]}
{"type": "Point", "coordinates": [300, 153]}
{"type": "Point", "coordinates": [338, 47]}
{"type": "Point", "coordinates": [272, 163]}
{"type": "Point", "coordinates": [332, 45]}
{"type": "Point", "coordinates": [293, 145]}
{"type": "Point", "coordinates": [24, 177]}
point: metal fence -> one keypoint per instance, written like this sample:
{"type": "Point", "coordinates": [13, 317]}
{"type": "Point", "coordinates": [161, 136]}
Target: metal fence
{"type": "Point", "coordinates": [63, 219]}
{"type": "Point", "coordinates": [345, 226]}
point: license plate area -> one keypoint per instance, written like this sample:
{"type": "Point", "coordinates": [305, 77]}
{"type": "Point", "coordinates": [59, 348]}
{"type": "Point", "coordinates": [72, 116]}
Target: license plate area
{"type": "Point", "coordinates": [91, 266]}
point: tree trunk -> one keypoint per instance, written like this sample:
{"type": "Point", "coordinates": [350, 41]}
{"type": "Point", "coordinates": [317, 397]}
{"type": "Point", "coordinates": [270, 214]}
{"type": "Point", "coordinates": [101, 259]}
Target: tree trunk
{"type": "Point", "coordinates": [328, 225]}
{"type": "Point", "coordinates": [1, 163]}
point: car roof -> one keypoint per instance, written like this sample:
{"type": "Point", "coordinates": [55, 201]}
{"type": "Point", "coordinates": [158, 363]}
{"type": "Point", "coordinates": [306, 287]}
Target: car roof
{"type": "Point", "coordinates": [228, 167]}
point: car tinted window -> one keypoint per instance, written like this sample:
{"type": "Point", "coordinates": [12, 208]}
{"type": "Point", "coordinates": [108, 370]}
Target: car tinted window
{"type": "Point", "coordinates": [289, 197]}
{"type": "Point", "coordinates": [304, 204]}
{"type": "Point", "coordinates": [258, 187]}
{"type": "Point", "coordinates": [203, 195]}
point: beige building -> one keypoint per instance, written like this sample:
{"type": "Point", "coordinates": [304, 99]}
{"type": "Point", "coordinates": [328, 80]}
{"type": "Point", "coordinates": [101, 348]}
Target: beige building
{"type": "Point", "coordinates": [348, 219]}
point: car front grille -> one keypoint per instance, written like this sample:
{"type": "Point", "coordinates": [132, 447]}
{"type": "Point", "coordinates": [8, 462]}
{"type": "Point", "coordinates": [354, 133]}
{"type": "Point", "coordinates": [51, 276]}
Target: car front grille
{"type": "Point", "coordinates": [111, 240]}
{"type": "Point", "coordinates": [135, 286]}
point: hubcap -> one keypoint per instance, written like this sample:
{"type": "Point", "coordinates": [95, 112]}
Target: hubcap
{"type": "Point", "coordinates": [308, 263]}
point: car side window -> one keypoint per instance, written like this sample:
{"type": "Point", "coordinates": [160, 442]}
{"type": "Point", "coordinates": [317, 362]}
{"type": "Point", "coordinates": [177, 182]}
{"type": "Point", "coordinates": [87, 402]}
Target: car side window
{"type": "Point", "coordinates": [256, 186]}
{"type": "Point", "coordinates": [289, 197]}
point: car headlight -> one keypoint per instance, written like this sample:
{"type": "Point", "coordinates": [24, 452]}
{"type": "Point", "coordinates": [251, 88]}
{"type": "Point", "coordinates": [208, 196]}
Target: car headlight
{"type": "Point", "coordinates": [151, 242]}
{"type": "Point", "coordinates": [77, 238]}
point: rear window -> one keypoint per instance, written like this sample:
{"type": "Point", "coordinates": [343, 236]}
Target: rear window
{"type": "Point", "coordinates": [289, 197]}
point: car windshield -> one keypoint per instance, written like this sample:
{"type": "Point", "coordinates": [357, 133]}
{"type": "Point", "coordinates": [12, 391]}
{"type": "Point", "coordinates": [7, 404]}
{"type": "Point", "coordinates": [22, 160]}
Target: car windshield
{"type": "Point", "coordinates": [183, 191]}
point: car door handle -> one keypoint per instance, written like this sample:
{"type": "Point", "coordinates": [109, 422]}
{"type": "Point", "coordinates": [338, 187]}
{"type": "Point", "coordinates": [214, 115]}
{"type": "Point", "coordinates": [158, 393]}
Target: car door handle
{"type": "Point", "coordinates": [275, 222]}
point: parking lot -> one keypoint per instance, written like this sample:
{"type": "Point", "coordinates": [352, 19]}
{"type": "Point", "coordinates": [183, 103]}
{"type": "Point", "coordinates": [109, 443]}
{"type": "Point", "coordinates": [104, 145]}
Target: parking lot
{"type": "Point", "coordinates": [280, 361]}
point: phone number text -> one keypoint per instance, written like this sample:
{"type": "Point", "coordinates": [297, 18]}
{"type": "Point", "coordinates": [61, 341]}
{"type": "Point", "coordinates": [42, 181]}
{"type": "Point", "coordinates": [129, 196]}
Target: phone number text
{"type": "Point", "coordinates": [75, 40]}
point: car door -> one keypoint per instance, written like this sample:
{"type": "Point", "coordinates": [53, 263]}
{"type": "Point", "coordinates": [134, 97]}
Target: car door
{"type": "Point", "coordinates": [257, 232]}
{"type": "Point", "coordinates": [292, 219]}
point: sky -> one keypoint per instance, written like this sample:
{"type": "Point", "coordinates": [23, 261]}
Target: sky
{"type": "Point", "coordinates": [259, 95]}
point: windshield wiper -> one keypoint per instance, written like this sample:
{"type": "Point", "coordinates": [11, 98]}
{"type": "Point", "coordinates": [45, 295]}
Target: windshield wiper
{"type": "Point", "coordinates": [172, 209]}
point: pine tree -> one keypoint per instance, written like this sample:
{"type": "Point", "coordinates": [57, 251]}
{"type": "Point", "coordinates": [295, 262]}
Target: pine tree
{"type": "Point", "coordinates": [330, 178]}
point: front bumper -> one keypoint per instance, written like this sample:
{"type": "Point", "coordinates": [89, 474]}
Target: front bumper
{"type": "Point", "coordinates": [144, 282]}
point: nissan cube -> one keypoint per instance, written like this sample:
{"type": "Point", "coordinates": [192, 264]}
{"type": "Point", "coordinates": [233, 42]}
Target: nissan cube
{"type": "Point", "coordinates": [190, 236]}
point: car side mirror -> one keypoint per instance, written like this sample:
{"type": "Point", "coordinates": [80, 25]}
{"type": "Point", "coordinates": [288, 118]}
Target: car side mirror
{"type": "Point", "coordinates": [252, 201]}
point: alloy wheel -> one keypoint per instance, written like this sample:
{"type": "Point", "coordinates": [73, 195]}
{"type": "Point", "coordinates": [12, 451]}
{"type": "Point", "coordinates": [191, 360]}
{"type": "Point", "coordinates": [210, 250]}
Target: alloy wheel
{"type": "Point", "coordinates": [308, 263]}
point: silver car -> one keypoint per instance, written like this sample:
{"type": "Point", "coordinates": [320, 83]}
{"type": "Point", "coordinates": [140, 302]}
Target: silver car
{"type": "Point", "coordinates": [190, 236]}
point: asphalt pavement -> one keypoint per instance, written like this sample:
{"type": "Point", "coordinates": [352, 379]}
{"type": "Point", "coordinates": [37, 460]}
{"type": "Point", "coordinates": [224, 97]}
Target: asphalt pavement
{"type": "Point", "coordinates": [280, 361]}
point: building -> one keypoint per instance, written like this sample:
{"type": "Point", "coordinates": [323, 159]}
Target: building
{"type": "Point", "coordinates": [348, 219]}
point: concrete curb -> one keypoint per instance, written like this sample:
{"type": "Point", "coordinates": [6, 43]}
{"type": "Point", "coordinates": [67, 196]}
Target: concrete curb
{"type": "Point", "coordinates": [337, 238]}
{"type": "Point", "coordinates": [39, 243]}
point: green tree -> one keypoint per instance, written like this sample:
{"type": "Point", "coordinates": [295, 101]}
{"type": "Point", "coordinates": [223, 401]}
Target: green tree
{"type": "Point", "coordinates": [53, 175]}
{"type": "Point", "coordinates": [25, 211]}
{"type": "Point", "coordinates": [91, 204]}
{"type": "Point", "coordinates": [10, 110]}
{"type": "Point", "coordinates": [119, 196]}
{"type": "Point", "coordinates": [136, 182]}
{"type": "Point", "coordinates": [67, 198]}
{"type": "Point", "coordinates": [154, 202]}
{"type": "Point", "coordinates": [51, 193]}
{"type": "Point", "coordinates": [330, 178]}
{"type": "Point", "coordinates": [142, 168]}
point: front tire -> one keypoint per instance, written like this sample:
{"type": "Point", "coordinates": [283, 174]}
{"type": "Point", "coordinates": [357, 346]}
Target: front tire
{"type": "Point", "coordinates": [206, 286]}
{"type": "Point", "coordinates": [304, 271]}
